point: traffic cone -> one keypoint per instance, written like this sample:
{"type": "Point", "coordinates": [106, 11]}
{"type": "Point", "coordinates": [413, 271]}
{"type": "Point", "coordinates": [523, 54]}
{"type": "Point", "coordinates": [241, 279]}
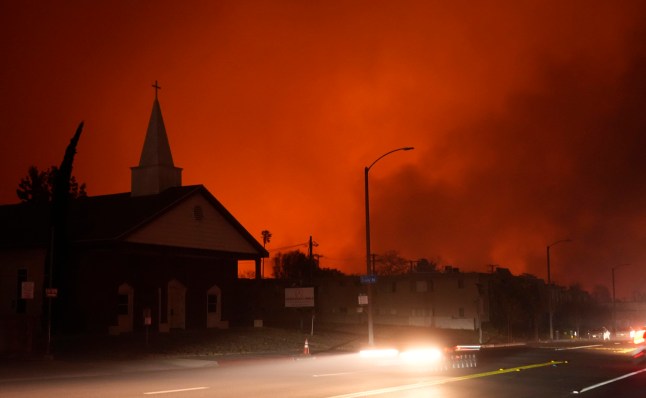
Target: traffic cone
{"type": "Point", "coordinates": [306, 349]}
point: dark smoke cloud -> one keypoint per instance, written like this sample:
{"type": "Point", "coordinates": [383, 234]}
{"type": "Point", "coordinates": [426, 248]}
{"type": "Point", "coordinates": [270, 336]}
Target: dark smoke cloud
{"type": "Point", "coordinates": [565, 161]}
{"type": "Point", "coordinates": [527, 118]}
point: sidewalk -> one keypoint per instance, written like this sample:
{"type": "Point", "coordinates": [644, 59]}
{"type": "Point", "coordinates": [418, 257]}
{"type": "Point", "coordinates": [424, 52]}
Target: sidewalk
{"type": "Point", "coordinates": [78, 356]}
{"type": "Point", "coordinates": [44, 368]}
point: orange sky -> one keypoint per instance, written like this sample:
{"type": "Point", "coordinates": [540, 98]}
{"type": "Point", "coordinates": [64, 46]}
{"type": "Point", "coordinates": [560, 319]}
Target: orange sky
{"type": "Point", "coordinates": [528, 120]}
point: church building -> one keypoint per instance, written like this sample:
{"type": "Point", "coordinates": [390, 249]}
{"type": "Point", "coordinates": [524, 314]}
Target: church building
{"type": "Point", "coordinates": [163, 256]}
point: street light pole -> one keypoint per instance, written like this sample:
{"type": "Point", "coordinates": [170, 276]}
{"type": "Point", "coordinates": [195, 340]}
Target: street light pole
{"type": "Point", "coordinates": [369, 270]}
{"type": "Point", "coordinates": [549, 286]}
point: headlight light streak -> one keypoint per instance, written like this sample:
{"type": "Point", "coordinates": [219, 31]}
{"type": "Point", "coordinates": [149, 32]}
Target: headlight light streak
{"type": "Point", "coordinates": [422, 355]}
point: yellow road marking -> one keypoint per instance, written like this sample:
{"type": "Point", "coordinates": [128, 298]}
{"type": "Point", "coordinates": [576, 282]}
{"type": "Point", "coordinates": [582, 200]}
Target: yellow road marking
{"type": "Point", "coordinates": [445, 381]}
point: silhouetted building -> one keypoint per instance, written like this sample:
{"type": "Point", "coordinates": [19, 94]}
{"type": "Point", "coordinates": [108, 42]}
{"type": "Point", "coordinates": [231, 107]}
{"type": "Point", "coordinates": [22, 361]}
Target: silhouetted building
{"type": "Point", "coordinates": [445, 300]}
{"type": "Point", "coordinates": [163, 256]}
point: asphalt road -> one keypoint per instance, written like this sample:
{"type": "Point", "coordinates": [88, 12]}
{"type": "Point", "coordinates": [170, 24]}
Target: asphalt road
{"type": "Point", "coordinates": [558, 370]}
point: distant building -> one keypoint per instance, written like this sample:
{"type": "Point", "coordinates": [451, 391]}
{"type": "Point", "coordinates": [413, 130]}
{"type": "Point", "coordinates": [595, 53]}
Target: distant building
{"type": "Point", "coordinates": [443, 300]}
{"type": "Point", "coordinates": [162, 256]}
{"type": "Point", "coordinates": [446, 300]}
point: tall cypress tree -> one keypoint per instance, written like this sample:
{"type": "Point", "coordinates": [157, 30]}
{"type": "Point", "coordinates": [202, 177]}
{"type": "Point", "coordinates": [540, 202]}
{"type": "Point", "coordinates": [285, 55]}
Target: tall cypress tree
{"type": "Point", "coordinates": [58, 265]}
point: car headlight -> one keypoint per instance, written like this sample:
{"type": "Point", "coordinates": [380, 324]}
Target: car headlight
{"type": "Point", "coordinates": [422, 355]}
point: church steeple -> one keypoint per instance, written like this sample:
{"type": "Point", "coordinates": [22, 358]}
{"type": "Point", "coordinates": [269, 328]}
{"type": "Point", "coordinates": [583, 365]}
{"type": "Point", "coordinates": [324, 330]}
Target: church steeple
{"type": "Point", "coordinates": [156, 171]}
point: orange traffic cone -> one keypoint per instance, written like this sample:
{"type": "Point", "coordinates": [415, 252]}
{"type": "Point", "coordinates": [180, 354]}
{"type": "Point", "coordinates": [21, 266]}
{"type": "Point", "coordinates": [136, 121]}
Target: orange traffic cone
{"type": "Point", "coordinates": [306, 349]}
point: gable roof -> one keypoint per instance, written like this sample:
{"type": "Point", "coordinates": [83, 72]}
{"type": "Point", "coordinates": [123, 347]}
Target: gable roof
{"type": "Point", "coordinates": [105, 218]}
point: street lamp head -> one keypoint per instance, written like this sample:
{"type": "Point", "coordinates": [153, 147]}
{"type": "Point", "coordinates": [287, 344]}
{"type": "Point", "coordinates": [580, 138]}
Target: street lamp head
{"type": "Point", "coordinates": [406, 148]}
{"type": "Point", "coordinates": [559, 241]}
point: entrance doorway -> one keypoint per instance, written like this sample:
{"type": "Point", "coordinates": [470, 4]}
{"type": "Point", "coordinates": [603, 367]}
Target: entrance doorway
{"type": "Point", "coordinates": [176, 305]}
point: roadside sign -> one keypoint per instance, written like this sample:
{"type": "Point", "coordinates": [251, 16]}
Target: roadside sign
{"type": "Point", "coordinates": [299, 297]}
{"type": "Point", "coordinates": [51, 292]}
{"type": "Point", "coordinates": [27, 290]}
{"type": "Point", "coordinates": [368, 279]}
{"type": "Point", "coordinates": [363, 299]}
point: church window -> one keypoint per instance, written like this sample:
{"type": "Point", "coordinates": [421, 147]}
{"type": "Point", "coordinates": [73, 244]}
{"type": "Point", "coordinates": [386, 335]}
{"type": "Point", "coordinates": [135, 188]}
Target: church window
{"type": "Point", "coordinates": [21, 304]}
{"type": "Point", "coordinates": [122, 304]}
{"type": "Point", "coordinates": [212, 303]}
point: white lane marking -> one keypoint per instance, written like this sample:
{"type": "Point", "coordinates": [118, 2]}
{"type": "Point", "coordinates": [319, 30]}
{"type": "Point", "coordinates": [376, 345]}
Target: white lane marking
{"type": "Point", "coordinates": [334, 374]}
{"type": "Point", "coordinates": [603, 383]}
{"type": "Point", "coordinates": [178, 390]}
{"type": "Point", "coordinates": [386, 390]}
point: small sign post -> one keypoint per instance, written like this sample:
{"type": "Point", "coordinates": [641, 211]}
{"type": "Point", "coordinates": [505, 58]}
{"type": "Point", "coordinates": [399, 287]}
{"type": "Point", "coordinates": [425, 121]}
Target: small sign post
{"type": "Point", "coordinates": [27, 290]}
{"type": "Point", "coordinates": [300, 297]}
{"type": "Point", "coordinates": [148, 320]}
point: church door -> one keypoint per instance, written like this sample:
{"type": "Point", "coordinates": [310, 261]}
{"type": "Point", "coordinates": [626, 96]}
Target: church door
{"type": "Point", "coordinates": [213, 307]}
{"type": "Point", "coordinates": [176, 305]}
{"type": "Point", "coordinates": [124, 309]}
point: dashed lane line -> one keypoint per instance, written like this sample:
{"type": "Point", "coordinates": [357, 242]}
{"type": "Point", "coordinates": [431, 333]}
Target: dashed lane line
{"type": "Point", "coordinates": [177, 390]}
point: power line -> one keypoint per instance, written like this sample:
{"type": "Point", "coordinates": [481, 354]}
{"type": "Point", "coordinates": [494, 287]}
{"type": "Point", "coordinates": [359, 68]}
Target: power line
{"type": "Point", "coordinates": [304, 244]}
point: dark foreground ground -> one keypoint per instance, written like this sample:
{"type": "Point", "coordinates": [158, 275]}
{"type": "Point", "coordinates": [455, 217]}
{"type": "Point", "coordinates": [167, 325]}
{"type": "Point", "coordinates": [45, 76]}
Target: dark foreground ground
{"type": "Point", "coordinates": [247, 341]}
{"type": "Point", "coordinates": [102, 354]}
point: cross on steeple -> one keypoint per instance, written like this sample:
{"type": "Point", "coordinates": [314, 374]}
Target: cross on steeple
{"type": "Point", "coordinates": [156, 86]}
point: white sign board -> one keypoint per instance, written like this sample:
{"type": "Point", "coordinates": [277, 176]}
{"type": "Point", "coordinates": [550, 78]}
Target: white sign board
{"type": "Point", "coordinates": [299, 297]}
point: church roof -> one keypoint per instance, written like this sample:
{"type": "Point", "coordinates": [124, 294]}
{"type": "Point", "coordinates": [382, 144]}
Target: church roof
{"type": "Point", "coordinates": [131, 216]}
{"type": "Point", "coordinates": [104, 218]}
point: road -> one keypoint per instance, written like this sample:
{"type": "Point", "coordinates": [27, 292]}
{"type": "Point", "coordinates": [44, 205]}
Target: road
{"type": "Point", "coordinates": [586, 369]}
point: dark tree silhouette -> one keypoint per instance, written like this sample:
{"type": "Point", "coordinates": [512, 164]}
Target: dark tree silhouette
{"type": "Point", "coordinates": [425, 266]}
{"type": "Point", "coordinates": [58, 269]}
{"type": "Point", "coordinates": [300, 268]}
{"type": "Point", "coordinates": [391, 263]}
{"type": "Point", "coordinates": [38, 186]}
{"type": "Point", "coordinates": [509, 300]}
{"type": "Point", "coordinates": [266, 237]}
{"type": "Point", "coordinates": [294, 265]}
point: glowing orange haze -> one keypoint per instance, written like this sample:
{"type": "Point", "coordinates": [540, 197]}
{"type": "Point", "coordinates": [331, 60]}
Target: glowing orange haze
{"type": "Point", "coordinates": [528, 120]}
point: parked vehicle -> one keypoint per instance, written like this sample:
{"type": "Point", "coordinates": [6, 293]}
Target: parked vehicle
{"type": "Point", "coordinates": [599, 334]}
{"type": "Point", "coordinates": [624, 334]}
{"type": "Point", "coordinates": [639, 354]}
